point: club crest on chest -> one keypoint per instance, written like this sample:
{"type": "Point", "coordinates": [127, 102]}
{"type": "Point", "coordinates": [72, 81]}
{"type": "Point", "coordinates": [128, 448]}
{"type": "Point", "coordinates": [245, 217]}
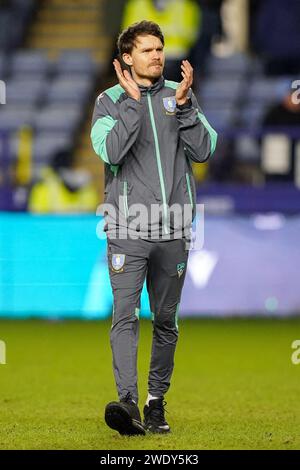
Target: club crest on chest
{"type": "Point", "coordinates": [170, 104]}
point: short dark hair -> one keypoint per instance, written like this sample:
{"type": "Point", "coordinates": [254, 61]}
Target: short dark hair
{"type": "Point", "coordinates": [126, 40]}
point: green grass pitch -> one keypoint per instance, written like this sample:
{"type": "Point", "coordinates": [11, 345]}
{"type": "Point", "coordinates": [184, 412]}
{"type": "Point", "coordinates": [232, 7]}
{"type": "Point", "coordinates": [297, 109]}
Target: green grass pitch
{"type": "Point", "coordinates": [234, 386]}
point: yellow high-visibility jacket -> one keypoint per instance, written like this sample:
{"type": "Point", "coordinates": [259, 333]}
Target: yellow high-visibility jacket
{"type": "Point", "coordinates": [51, 196]}
{"type": "Point", "coordinates": [180, 23]}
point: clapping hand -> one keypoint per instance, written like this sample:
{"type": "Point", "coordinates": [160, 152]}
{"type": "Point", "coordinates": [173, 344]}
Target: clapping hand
{"type": "Point", "coordinates": [184, 86]}
{"type": "Point", "coordinates": [126, 81]}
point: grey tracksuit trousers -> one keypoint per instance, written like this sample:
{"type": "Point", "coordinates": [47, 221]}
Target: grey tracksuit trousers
{"type": "Point", "coordinates": [163, 264]}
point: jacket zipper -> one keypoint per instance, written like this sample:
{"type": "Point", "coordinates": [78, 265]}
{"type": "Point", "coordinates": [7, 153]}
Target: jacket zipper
{"type": "Point", "coordinates": [189, 189]}
{"type": "Point", "coordinates": [158, 159]}
{"type": "Point", "coordinates": [125, 199]}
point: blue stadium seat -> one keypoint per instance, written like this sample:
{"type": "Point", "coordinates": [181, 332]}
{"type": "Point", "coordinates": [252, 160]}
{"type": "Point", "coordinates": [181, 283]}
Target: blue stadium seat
{"type": "Point", "coordinates": [247, 149]}
{"type": "Point", "coordinates": [75, 62]}
{"type": "Point", "coordinates": [252, 114]}
{"type": "Point", "coordinates": [29, 62]}
{"type": "Point", "coordinates": [268, 90]}
{"type": "Point", "coordinates": [23, 90]}
{"type": "Point", "coordinates": [236, 64]}
{"type": "Point", "coordinates": [221, 91]}
{"type": "Point", "coordinates": [46, 144]}
{"type": "Point", "coordinates": [221, 118]}
{"type": "Point", "coordinates": [64, 118]}
{"type": "Point", "coordinates": [263, 93]}
{"type": "Point", "coordinates": [73, 90]}
{"type": "Point", "coordinates": [13, 117]}
{"type": "Point", "coordinates": [225, 111]}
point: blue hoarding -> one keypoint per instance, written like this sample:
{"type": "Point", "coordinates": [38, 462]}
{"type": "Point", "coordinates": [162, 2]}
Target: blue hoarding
{"type": "Point", "coordinates": [55, 267]}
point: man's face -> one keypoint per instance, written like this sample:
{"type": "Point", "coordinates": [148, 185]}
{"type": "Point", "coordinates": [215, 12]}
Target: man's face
{"type": "Point", "coordinates": [147, 58]}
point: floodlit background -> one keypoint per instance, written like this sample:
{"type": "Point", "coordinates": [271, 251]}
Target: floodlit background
{"type": "Point", "coordinates": [235, 374]}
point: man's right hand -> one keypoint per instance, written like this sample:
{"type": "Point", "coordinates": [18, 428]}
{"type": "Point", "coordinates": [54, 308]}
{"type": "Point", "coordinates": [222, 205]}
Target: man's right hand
{"type": "Point", "coordinates": [126, 81]}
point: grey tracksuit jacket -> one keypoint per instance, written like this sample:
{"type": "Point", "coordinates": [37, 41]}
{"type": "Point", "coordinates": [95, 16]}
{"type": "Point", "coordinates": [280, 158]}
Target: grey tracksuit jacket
{"type": "Point", "coordinates": [147, 147]}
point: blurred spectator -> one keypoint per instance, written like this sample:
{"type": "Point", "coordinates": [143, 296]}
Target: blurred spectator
{"type": "Point", "coordinates": [15, 18]}
{"type": "Point", "coordinates": [286, 113]}
{"type": "Point", "coordinates": [180, 21]}
{"type": "Point", "coordinates": [63, 189]}
{"type": "Point", "coordinates": [4, 22]}
{"type": "Point", "coordinates": [277, 36]}
{"type": "Point", "coordinates": [286, 117]}
{"type": "Point", "coordinates": [211, 30]}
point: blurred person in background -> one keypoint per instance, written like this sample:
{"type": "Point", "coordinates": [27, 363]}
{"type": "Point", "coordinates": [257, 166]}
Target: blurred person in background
{"type": "Point", "coordinates": [277, 35]}
{"type": "Point", "coordinates": [14, 18]}
{"type": "Point", "coordinates": [211, 30]}
{"type": "Point", "coordinates": [179, 19]}
{"type": "Point", "coordinates": [63, 189]}
{"type": "Point", "coordinates": [4, 23]}
{"type": "Point", "coordinates": [285, 113]}
{"type": "Point", "coordinates": [286, 117]}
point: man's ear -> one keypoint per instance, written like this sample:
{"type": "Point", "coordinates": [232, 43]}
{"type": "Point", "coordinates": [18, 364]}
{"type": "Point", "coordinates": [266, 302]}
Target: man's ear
{"type": "Point", "coordinates": [124, 66]}
{"type": "Point", "coordinates": [127, 59]}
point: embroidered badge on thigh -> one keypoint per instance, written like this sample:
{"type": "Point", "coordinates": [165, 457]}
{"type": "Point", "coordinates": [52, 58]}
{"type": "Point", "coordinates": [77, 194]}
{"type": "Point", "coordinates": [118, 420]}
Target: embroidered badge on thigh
{"type": "Point", "coordinates": [180, 269]}
{"type": "Point", "coordinates": [117, 263]}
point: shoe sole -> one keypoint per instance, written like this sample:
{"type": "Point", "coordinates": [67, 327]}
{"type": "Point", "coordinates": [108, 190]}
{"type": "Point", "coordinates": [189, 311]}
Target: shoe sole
{"type": "Point", "coordinates": [118, 418]}
{"type": "Point", "coordinates": [157, 430]}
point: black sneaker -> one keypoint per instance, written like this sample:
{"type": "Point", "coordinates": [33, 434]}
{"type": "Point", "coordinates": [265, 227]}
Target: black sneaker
{"type": "Point", "coordinates": [124, 416]}
{"type": "Point", "coordinates": [154, 416]}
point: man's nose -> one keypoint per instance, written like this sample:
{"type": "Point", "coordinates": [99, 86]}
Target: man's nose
{"type": "Point", "coordinates": [156, 56]}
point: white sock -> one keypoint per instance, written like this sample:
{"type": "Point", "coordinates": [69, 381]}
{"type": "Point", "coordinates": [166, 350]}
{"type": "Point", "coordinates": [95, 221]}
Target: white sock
{"type": "Point", "coordinates": [150, 397]}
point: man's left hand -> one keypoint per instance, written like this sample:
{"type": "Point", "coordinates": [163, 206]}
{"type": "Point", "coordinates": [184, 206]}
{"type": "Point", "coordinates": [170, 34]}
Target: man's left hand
{"type": "Point", "coordinates": [184, 86]}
